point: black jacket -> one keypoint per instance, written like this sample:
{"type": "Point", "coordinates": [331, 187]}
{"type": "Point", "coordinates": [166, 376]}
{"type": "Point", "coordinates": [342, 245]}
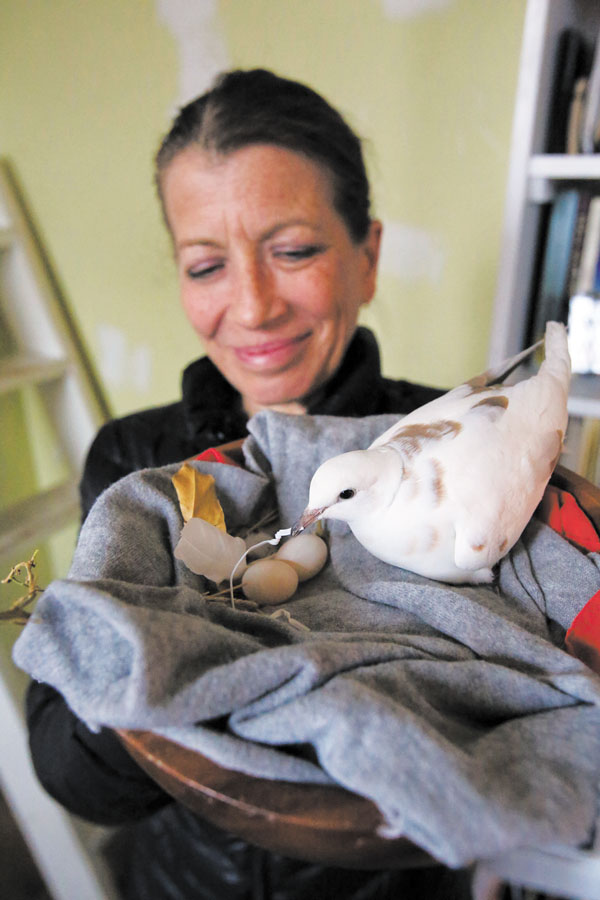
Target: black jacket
{"type": "Point", "coordinates": [171, 853]}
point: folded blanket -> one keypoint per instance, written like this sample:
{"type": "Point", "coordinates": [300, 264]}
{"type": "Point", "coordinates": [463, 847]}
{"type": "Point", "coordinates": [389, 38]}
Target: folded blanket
{"type": "Point", "coordinates": [455, 709]}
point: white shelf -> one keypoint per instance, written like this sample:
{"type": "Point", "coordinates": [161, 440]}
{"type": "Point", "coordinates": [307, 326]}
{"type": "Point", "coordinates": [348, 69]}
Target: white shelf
{"type": "Point", "coordinates": [565, 167]}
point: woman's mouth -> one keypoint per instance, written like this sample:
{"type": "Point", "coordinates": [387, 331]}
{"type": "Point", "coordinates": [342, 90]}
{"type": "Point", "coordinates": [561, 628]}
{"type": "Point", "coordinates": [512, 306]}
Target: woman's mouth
{"type": "Point", "coordinates": [273, 353]}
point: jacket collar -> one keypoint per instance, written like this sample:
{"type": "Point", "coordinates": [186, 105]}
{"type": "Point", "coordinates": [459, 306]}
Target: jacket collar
{"type": "Point", "coordinates": [355, 386]}
{"type": "Point", "coordinates": [213, 407]}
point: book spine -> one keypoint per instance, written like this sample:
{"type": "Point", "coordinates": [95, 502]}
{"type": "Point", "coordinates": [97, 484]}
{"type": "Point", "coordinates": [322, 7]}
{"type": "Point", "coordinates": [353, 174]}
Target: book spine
{"type": "Point", "coordinates": [568, 67]}
{"type": "Point", "coordinates": [592, 105]}
{"type": "Point", "coordinates": [585, 200]}
{"type": "Point", "coordinates": [585, 279]}
{"type": "Point", "coordinates": [575, 120]}
{"type": "Point", "coordinates": [552, 297]}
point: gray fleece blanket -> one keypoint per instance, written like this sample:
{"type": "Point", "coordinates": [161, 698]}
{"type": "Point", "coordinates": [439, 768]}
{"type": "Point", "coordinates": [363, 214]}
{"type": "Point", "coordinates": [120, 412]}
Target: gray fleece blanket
{"type": "Point", "coordinates": [455, 709]}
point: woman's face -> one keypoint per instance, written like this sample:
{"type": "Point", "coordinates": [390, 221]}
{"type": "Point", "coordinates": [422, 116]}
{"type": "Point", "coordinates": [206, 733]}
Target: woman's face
{"type": "Point", "coordinates": [270, 278]}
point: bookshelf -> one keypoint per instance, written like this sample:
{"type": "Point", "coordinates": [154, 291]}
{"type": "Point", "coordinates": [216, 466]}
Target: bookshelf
{"type": "Point", "coordinates": [558, 167]}
{"type": "Point", "coordinates": [534, 178]}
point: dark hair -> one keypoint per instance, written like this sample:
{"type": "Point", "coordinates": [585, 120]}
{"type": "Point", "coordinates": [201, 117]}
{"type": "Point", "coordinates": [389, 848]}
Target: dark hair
{"type": "Point", "coordinates": [259, 107]}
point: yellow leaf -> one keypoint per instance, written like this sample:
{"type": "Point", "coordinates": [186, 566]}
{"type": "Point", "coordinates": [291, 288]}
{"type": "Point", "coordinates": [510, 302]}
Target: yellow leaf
{"type": "Point", "coordinates": [197, 496]}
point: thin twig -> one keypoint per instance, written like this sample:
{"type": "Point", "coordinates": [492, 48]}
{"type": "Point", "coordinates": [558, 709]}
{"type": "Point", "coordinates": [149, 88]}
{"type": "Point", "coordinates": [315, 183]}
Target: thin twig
{"type": "Point", "coordinates": [23, 574]}
{"type": "Point", "coordinates": [268, 517]}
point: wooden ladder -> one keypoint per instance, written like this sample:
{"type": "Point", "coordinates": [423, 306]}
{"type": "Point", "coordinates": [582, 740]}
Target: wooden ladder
{"type": "Point", "coordinates": [40, 350]}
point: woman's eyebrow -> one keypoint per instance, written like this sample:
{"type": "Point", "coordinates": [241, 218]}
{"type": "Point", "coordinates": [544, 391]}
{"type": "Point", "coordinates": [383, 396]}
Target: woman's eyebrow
{"type": "Point", "coordinates": [288, 223]}
{"type": "Point", "coordinates": [198, 242]}
{"type": "Point", "coordinates": [266, 235]}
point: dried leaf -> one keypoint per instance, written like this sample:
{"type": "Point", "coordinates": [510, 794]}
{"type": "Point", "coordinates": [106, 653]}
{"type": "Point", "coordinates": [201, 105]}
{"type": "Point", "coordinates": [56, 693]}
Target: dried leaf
{"type": "Point", "coordinates": [197, 496]}
{"type": "Point", "coordinates": [208, 551]}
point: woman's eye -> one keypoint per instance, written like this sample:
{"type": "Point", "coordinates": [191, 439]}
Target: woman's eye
{"type": "Point", "coordinates": [199, 272]}
{"type": "Point", "coordinates": [299, 253]}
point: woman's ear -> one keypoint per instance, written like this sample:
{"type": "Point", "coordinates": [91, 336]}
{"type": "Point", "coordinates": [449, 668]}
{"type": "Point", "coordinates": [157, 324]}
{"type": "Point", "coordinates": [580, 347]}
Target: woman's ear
{"type": "Point", "coordinates": [371, 247]}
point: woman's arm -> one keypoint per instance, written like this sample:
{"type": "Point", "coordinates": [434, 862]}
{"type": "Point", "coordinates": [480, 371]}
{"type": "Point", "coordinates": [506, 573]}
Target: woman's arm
{"type": "Point", "coordinates": [92, 775]}
{"type": "Point", "coordinates": [147, 439]}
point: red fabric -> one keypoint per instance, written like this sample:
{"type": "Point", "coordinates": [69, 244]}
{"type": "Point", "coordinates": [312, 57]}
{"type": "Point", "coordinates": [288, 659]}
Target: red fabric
{"type": "Point", "coordinates": [560, 510]}
{"type": "Point", "coordinates": [213, 455]}
{"type": "Point", "coordinates": [583, 637]}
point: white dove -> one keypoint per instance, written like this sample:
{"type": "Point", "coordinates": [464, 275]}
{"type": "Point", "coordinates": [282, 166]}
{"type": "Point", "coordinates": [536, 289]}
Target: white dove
{"type": "Point", "coordinates": [447, 490]}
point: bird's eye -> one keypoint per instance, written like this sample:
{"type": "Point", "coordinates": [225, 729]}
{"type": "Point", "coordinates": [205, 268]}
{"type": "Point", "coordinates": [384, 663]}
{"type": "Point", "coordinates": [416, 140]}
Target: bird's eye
{"type": "Point", "coordinates": [347, 494]}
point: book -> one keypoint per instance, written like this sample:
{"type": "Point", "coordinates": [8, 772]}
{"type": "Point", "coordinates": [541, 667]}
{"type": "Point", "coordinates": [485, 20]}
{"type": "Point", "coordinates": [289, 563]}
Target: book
{"type": "Point", "coordinates": [585, 276]}
{"type": "Point", "coordinates": [576, 111]}
{"type": "Point", "coordinates": [552, 298]}
{"type": "Point", "coordinates": [581, 226]}
{"type": "Point", "coordinates": [591, 113]}
{"type": "Point", "coordinates": [589, 466]}
{"type": "Point", "coordinates": [570, 64]}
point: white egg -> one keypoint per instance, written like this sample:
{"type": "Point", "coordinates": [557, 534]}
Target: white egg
{"type": "Point", "coordinates": [269, 581]}
{"type": "Point", "coordinates": [307, 553]}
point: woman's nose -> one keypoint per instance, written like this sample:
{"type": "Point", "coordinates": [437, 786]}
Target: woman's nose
{"type": "Point", "coordinates": [255, 301]}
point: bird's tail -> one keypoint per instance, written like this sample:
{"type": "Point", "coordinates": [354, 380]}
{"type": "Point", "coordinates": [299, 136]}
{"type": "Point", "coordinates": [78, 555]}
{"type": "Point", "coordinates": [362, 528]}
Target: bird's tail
{"type": "Point", "coordinates": [557, 361]}
{"type": "Point", "coordinates": [498, 373]}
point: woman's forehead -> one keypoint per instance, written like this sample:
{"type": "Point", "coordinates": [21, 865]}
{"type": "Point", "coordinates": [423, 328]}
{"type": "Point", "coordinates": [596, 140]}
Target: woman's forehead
{"type": "Point", "coordinates": [264, 185]}
{"type": "Point", "coordinates": [255, 163]}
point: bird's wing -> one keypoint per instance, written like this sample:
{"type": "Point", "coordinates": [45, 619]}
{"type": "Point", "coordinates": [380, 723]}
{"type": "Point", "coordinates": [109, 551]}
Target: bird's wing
{"type": "Point", "coordinates": [497, 474]}
{"type": "Point", "coordinates": [456, 402]}
{"type": "Point", "coordinates": [503, 495]}
{"type": "Point", "coordinates": [493, 450]}
{"type": "Point", "coordinates": [444, 417]}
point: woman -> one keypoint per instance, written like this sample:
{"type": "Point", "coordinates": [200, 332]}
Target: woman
{"type": "Point", "coordinates": [265, 194]}
{"type": "Point", "coordinates": [276, 311]}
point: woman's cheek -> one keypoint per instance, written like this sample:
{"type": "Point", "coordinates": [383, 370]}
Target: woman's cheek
{"type": "Point", "coordinates": [200, 312]}
{"type": "Point", "coordinates": [324, 292]}
{"type": "Point", "coordinates": [311, 297]}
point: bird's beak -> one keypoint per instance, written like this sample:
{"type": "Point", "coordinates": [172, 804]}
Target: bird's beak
{"type": "Point", "coordinates": [307, 518]}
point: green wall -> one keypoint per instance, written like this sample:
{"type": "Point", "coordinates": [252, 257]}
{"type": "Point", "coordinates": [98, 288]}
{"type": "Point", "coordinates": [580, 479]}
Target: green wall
{"type": "Point", "coordinates": [91, 87]}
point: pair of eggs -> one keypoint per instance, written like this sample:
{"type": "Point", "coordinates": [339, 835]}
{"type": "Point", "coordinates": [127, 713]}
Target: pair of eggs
{"type": "Point", "coordinates": [275, 579]}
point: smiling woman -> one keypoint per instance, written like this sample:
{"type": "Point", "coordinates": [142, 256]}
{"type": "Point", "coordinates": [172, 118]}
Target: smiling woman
{"type": "Point", "coordinates": [265, 195]}
{"type": "Point", "coordinates": [271, 279]}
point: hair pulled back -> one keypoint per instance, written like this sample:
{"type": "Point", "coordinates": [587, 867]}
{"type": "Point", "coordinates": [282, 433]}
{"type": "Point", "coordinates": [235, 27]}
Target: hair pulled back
{"type": "Point", "coordinates": [255, 106]}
